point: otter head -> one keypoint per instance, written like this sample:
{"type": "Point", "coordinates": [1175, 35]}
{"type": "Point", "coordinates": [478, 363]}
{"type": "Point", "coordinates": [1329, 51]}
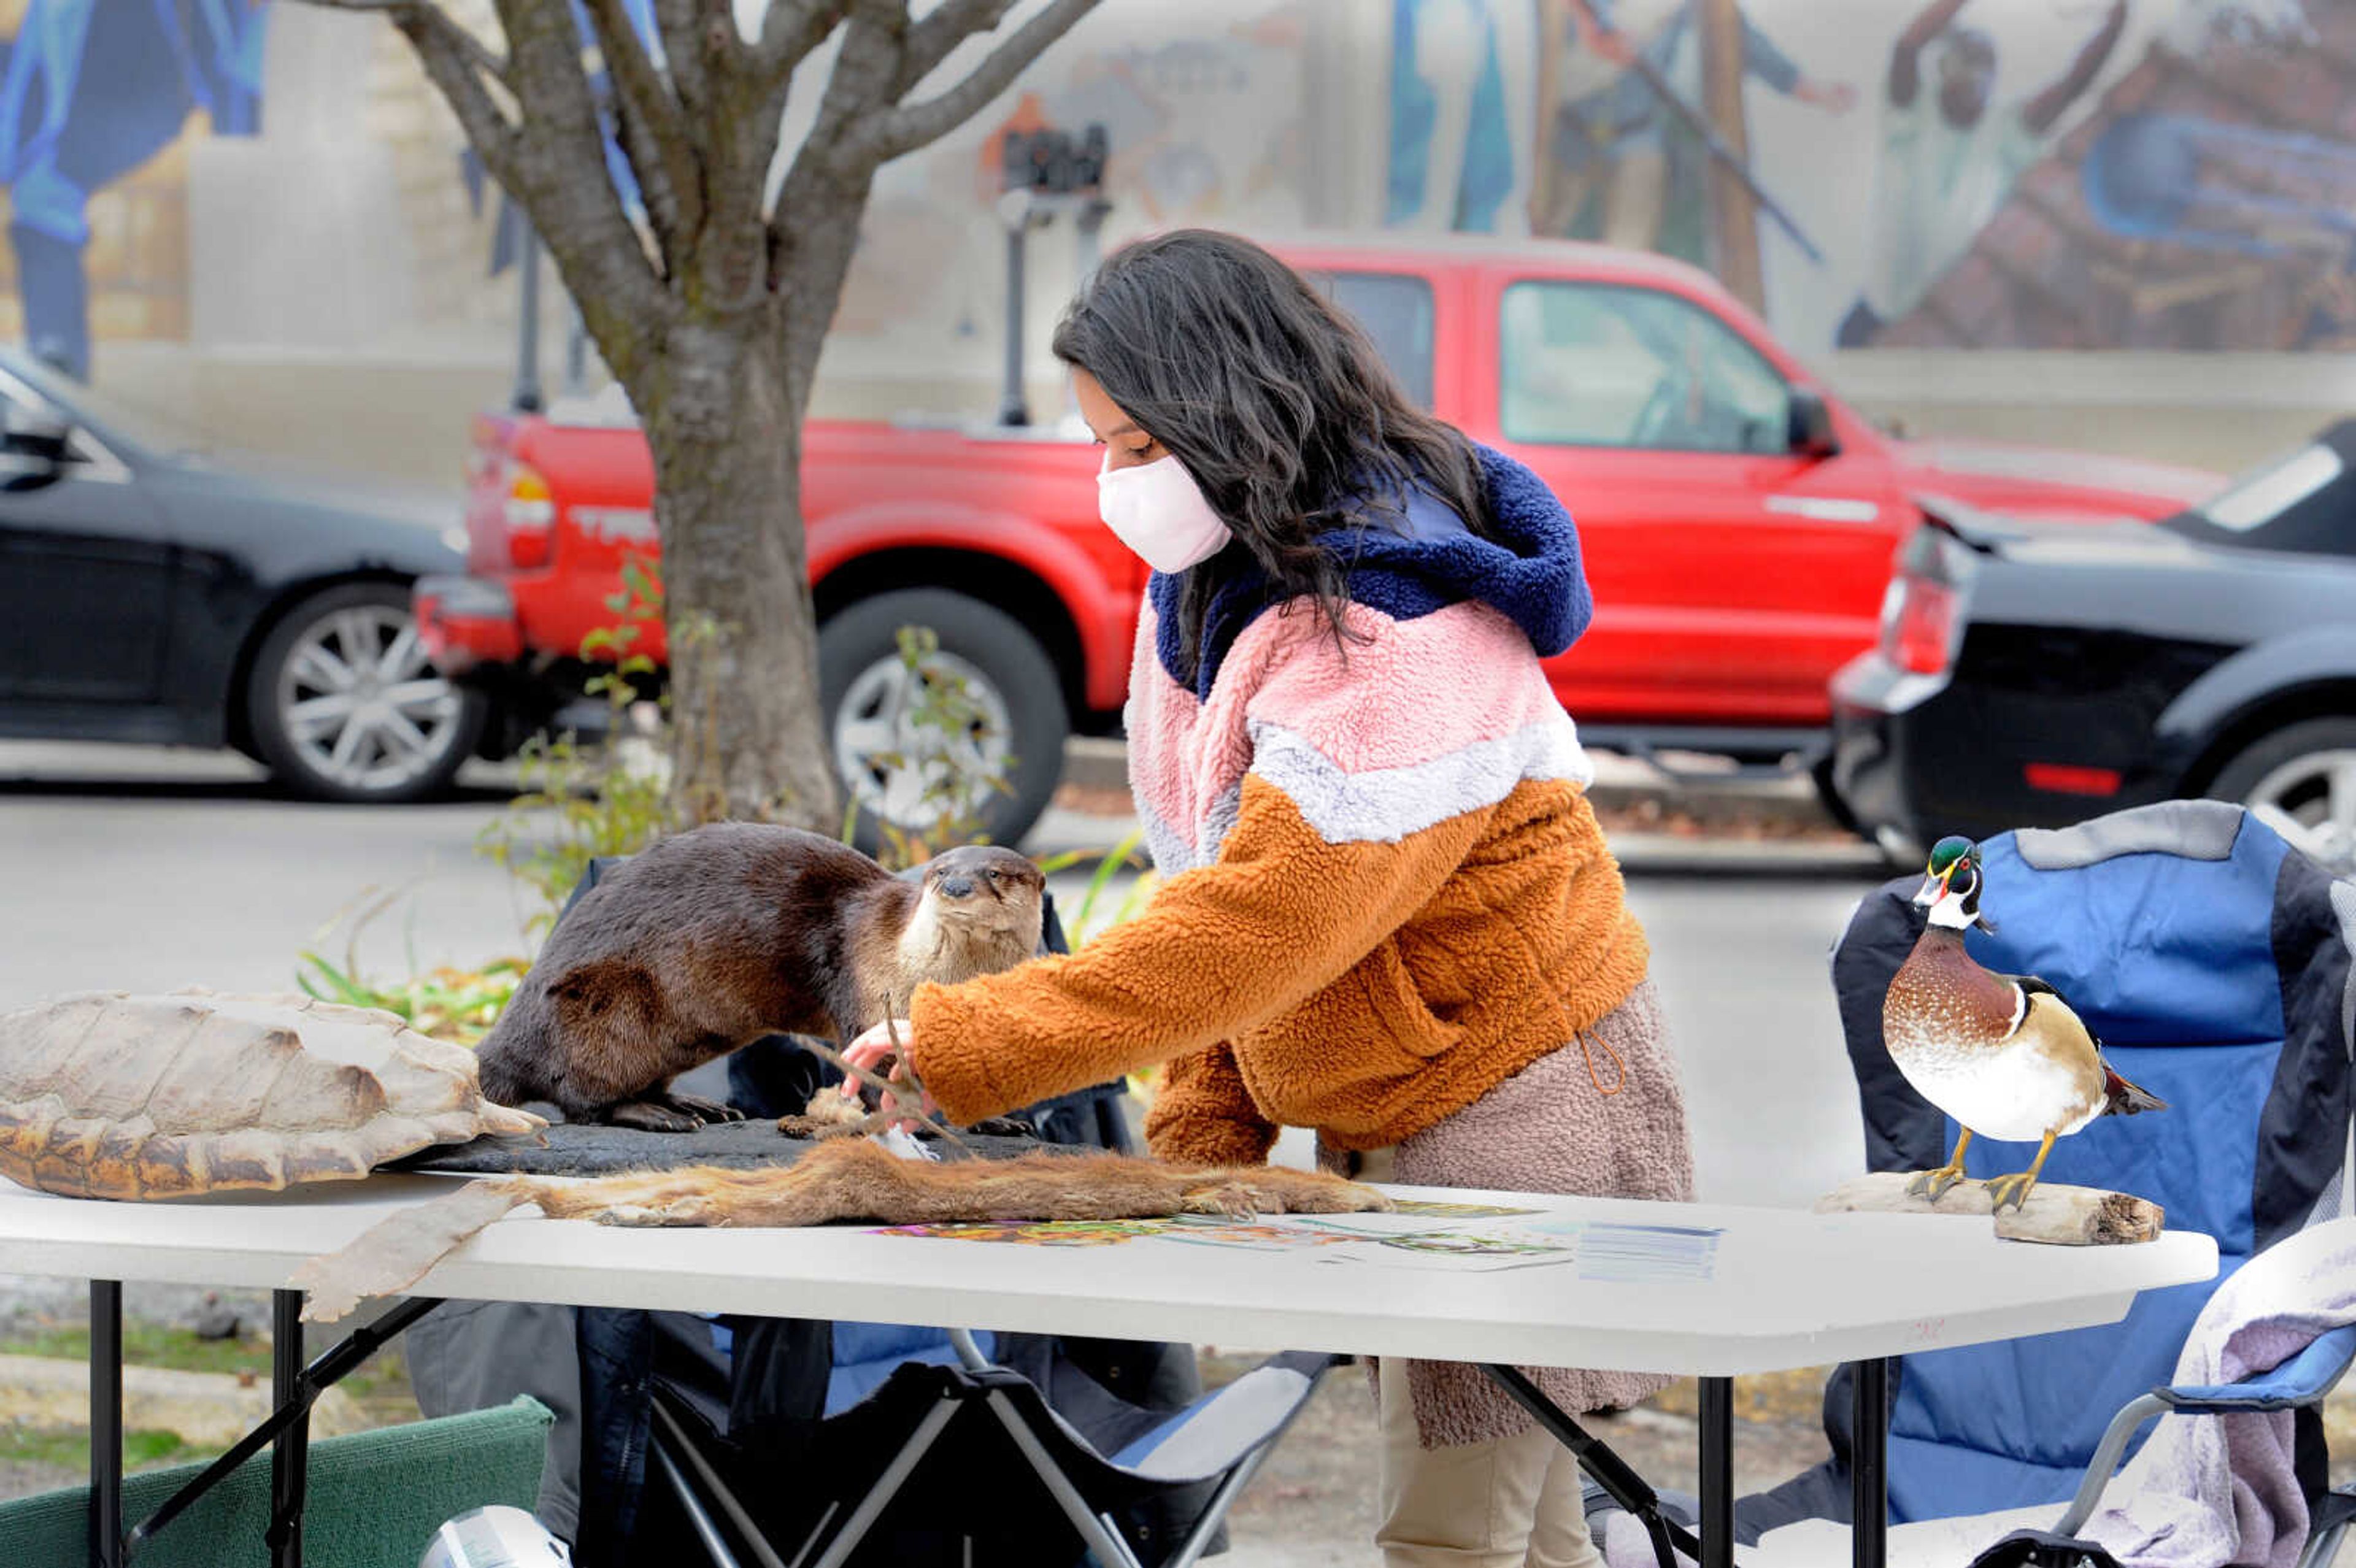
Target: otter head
{"type": "Point", "coordinates": [983, 886]}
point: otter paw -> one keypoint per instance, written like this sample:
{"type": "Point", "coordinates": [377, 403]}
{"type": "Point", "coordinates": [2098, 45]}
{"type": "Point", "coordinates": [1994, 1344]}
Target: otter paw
{"type": "Point", "coordinates": [702, 1109]}
{"type": "Point", "coordinates": [649, 1115]}
{"type": "Point", "coordinates": [1229, 1199]}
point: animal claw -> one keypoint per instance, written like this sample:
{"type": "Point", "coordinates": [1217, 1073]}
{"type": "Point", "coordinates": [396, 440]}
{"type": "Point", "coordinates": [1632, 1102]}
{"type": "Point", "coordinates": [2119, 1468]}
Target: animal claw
{"type": "Point", "coordinates": [2009, 1190]}
{"type": "Point", "coordinates": [1935, 1184]}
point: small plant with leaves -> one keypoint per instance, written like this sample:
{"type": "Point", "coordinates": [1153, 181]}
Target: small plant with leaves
{"type": "Point", "coordinates": [447, 1002]}
{"type": "Point", "coordinates": [1085, 924]}
{"type": "Point", "coordinates": [580, 803]}
{"type": "Point", "coordinates": [944, 775]}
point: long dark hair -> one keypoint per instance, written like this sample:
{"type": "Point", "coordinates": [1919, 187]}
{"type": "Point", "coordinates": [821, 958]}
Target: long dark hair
{"type": "Point", "coordinates": [1277, 403]}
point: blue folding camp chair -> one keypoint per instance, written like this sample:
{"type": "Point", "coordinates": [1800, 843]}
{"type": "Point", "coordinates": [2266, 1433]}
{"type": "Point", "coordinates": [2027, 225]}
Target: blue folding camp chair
{"type": "Point", "coordinates": [947, 1446]}
{"type": "Point", "coordinates": [2213, 962]}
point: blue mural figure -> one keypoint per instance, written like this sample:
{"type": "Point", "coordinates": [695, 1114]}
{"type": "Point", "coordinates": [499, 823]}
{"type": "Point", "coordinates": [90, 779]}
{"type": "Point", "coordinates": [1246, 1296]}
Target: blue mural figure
{"type": "Point", "coordinates": [1453, 151]}
{"type": "Point", "coordinates": [1623, 165]}
{"type": "Point", "coordinates": [2219, 186]}
{"type": "Point", "coordinates": [88, 93]}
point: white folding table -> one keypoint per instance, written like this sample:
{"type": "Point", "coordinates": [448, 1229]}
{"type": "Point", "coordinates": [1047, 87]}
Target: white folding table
{"type": "Point", "coordinates": [1711, 1292]}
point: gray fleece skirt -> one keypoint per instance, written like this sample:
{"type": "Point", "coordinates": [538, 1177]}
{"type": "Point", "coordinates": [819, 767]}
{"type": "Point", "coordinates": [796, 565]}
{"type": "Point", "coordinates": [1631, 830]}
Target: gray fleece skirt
{"type": "Point", "coordinates": [1549, 1128]}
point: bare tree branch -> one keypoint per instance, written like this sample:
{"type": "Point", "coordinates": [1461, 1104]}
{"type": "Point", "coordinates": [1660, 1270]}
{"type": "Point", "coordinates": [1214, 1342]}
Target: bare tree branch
{"type": "Point", "coordinates": [935, 39]}
{"type": "Point", "coordinates": [652, 131]}
{"type": "Point", "coordinates": [681, 26]}
{"type": "Point", "coordinates": [857, 87]}
{"type": "Point", "coordinates": [732, 258]}
{"type": "Point", "coordinates": [913, 125]}
{"type": "Point", "coordinates": [486, 59]}
{"type": "Point", "coordinates": [561, 178]}
{"type": "Point", "coordinates": [451, 56]}
{"type": "Point", "coordinates": [829, 160]}
{"type": "Point", "coordinates": [790, 31]}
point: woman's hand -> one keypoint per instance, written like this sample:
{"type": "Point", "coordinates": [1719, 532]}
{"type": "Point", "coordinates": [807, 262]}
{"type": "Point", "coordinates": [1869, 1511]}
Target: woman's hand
{"type": "Point", "coordinates": [871, 1049]}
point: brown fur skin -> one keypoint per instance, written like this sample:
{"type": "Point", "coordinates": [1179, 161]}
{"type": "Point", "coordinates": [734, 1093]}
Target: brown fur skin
{"type": "Point", "coordinates": [859, 1179]}
{"type": "Point", "coordinates": [717, 936]}
{"type": "Point", "coordinates": [851, 1180]}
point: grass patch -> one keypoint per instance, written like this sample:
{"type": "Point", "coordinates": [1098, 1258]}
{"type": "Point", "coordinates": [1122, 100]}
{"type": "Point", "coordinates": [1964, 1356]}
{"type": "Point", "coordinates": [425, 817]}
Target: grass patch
{"type": "Point", "coordinates": [379, 1385]}
{"type": "Point", "coordinates": [70, 1450]}
{"type": "Point", "coordinates": [149, 1345]}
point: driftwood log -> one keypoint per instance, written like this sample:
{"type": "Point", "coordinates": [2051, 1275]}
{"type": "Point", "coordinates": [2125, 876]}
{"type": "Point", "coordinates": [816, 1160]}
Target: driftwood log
{"type": "Point", "coordinates": [2063, 1216]}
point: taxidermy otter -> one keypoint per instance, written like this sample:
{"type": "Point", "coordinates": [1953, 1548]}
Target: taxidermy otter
{"type": "Point", "coordinates": [717, 936]}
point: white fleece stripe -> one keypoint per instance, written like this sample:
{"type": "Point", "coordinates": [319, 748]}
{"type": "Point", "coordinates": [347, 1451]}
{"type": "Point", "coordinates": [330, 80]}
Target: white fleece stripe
{"type": "Point", "coordinates": [1218, 822]}
{"type": "Point", "coordinates": [1383, 805]}
{"type": "Point", "coordinates": [1165, 843]}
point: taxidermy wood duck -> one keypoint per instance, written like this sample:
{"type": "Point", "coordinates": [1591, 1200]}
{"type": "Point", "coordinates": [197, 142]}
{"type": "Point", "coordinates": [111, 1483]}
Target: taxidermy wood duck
{"type": "Point", "coordinates": [2003, 1054]}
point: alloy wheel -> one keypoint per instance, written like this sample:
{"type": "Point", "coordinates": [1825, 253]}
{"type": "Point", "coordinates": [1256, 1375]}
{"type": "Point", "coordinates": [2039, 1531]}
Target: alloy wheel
{"type": "Point", "coordinates": [360, 702]}
{"type": "Point", "coordinates": [2311, 801]}
{"type": "Point", "coordinates": [891, 765]}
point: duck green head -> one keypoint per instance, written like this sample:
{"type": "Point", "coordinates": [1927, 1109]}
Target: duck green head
{"type": "Point", "coordinates": [1951, 884]}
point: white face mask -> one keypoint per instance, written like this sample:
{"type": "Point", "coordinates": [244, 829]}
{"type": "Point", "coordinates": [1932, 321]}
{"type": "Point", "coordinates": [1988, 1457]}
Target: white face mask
{"type": "Point", "coordinates": [1157, 510]}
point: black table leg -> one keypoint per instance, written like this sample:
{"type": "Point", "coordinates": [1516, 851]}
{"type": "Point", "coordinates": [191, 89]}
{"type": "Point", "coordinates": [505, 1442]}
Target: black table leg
{"type": "Point", "coordinates": [106, 1422]}
{"type": "Point", "coordinates": [1870, 1467]}
{"type": "Point", "coordinates": [290, 1450]}
{"type": "Point", "coordinates": [294, 1408]}
{"type": "Point", "coordinates": [1717, 1473]}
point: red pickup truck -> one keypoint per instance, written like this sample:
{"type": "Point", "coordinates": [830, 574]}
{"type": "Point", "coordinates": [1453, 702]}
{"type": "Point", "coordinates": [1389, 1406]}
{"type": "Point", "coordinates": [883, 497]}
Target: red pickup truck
{"type": "Point", "coordinates": [1737, 522]}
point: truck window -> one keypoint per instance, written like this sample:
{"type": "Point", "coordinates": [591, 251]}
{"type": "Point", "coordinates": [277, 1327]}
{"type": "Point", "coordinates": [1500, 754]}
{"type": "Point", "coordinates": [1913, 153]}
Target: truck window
{"type": "Point", "coordinates": [1608, 365]}
{"type": "Point", "coordinates": [1396, 312]}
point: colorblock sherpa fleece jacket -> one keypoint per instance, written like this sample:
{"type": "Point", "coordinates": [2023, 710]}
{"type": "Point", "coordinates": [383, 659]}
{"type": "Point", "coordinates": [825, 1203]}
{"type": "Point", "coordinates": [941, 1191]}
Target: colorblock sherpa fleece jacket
{"type": "Point", "coordinates": [1385, 890]}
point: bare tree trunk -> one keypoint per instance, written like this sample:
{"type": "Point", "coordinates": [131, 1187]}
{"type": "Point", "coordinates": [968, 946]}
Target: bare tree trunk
{"type": "Point", "coordinates": [749, 741]}
{"type": "Point", "coordinates": [711, 302]}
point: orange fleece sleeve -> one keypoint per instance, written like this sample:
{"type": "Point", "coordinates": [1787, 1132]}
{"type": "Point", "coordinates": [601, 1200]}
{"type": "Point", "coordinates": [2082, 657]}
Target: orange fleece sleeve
{"type": "Point", "coordinates": [1217, 951]}
{"type": "Point", "coordinates": [1202, 1113]}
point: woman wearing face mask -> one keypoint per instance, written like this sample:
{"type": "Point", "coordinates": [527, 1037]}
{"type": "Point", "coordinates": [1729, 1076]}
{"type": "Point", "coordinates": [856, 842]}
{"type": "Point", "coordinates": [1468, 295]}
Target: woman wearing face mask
{"type": "Point", "coordinates": [1388, 913]}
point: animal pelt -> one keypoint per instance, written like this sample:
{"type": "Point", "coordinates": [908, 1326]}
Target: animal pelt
{"type": "Point", "coordinates": [715, 937]}
{"type": "Point", "coordinates": [849, 1179]}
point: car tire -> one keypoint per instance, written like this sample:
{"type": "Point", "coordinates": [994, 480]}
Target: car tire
{"type": "Point", "coordinates": [1005, 668]}
{"type": "Point", "coordinates": [2307, 771]}
{"type": "Point", "coordinates": [331, 728]}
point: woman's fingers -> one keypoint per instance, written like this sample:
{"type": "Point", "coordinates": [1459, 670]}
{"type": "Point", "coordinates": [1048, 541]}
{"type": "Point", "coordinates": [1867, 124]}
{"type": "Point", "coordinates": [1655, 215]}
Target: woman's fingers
{"type": "Point", "coordinates": [869, 1052]}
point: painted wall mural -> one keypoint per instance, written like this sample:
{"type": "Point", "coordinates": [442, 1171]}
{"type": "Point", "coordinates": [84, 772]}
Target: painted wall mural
{"type": "Point", "coordinates": [1942, 173]}
{"type": "Point", "coordinates": [1963, 174]}
{"type": "Point", "coordinates": [95, 101]}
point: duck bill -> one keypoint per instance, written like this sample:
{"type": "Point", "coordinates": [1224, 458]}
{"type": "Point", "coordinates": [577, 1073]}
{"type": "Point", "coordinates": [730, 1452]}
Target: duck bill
{"type": "Point", "coordinates": [1933, 890]}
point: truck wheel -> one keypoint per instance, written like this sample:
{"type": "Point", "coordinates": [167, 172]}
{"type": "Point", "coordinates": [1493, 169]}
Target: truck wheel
{"type": "Point", "coordinates": [343, 706]}
{"type": "Point", "coordinates": [2306, 773]}
{"type": "Point", "coordinates": [865, 691]}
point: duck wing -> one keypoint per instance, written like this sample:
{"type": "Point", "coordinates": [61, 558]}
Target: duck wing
{"type": "Point", "coordinates": [2120, 1098]}
{"type": "Point", "coordinates": [2033, 985]}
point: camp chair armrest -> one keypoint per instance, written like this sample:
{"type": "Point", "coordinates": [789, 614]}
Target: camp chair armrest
{"type": "Point", "coordinates": [2303, 1380]}
{"type": "Point", "coordinates": [2099, 1469]}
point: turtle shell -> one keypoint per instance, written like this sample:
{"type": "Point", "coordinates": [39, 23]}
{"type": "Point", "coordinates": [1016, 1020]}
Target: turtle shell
{"type": "Point", "coordinates": [106, 1094]}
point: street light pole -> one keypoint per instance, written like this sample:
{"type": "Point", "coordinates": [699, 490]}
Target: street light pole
{"type": "Point", "coordinates": [529, 396]}
{"type": "Point", "coordinates": [1043, 172]}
